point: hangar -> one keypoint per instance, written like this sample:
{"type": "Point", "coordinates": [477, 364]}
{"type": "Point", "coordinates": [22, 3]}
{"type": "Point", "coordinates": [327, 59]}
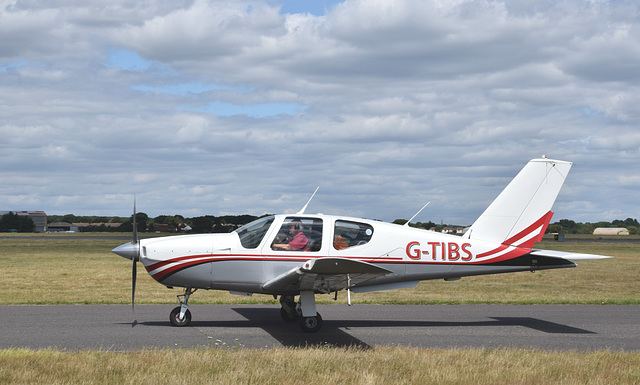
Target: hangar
{"type": "Point", "coordinates": [610, 231]}
{"type": "Point", "coordinates": [62, 227]}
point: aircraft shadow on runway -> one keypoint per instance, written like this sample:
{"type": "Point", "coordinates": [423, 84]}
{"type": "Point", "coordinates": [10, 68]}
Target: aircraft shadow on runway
{"type": "Point", "coordinates": [335, 332]}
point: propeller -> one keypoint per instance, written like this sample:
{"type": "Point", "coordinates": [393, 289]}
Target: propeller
{"type": "Point", "coordinates": [134, 258]}
{"type": "Point", "coordinates": [131, 251]}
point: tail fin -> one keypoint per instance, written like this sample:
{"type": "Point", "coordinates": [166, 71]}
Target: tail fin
{"type": "Point", "coordinates": [521, 213]}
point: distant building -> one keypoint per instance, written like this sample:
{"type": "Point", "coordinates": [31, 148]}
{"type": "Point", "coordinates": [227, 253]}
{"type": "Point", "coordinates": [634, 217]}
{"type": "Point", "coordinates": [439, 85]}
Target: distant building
{"type": "Point", "coordinates": [62, 227]}
{"type": "Point", "coordinates": [610, 231]}
{"type": "Point", "coordinates": [39, 218]}
{"type": "Point", "coordinates": [164, 228]}
{"type": "Point", "coordinates": [84, 226]}
{"type": "Point", "coordinates": [453, 230]}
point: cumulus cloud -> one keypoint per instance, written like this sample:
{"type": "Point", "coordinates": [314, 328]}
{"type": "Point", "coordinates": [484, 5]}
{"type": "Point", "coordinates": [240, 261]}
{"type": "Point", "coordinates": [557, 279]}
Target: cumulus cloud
{"type": "Point", "coordinates": [216, 107]}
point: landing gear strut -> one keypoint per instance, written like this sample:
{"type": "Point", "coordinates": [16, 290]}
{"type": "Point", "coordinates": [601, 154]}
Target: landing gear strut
{"type": "Point", "coordinates": [181, 316]}
{"type": "Point", "coordinates": [311, 321]}
{"type": "Point", "coordinates": [304, 312]}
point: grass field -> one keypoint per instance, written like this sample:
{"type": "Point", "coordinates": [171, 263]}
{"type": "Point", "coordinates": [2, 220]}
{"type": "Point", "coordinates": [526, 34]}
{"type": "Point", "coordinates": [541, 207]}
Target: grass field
{"type": "Point", "coordinates": [68, 270]}
{"type": "Point", "coordinates": [65, 270]}
{"type": "Point", "coordinates": [320, 365]}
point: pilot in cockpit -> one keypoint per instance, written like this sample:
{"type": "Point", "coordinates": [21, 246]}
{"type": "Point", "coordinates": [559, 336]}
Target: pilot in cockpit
{"type": "Point", "coordinates": [296, 240]}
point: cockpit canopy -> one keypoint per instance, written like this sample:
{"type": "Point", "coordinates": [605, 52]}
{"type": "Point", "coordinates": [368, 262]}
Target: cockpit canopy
{"type": "Point", "coordinates": [346, 233]}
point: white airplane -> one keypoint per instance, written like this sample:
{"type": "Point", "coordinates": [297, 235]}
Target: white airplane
{"type": "Point", "coordinates": [304, 255]}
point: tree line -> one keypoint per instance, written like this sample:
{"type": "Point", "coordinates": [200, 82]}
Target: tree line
{"type": "Point", "coordinates": [163, 223]}
{"type": "Point", "coordinates": [12, 222]}
{"type": "Point", "coordinates": [567, 226]}
{"type": "Point", "coordinates": [563, 226]}
{"type": "Point", "coordinates": [226, 223]}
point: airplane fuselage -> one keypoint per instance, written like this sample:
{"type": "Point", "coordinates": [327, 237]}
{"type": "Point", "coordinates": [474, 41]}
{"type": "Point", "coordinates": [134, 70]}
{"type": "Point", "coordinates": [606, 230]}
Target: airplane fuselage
{"type": "Point", "coordinates": [221, 262]}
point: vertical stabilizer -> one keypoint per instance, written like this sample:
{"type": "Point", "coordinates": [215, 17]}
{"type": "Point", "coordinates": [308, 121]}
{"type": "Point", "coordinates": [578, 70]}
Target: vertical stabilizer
{"type": "Point", "coordinates": [520, 214]}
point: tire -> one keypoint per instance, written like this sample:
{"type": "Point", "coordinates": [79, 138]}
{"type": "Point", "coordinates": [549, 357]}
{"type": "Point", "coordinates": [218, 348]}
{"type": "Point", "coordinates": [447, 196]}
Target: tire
{"type": "Point", "coordinates": [175, 321]}
{"type": "Point", "coordinates": [288, 317]}
{"type": "Point", "coordinates": [310, 324]}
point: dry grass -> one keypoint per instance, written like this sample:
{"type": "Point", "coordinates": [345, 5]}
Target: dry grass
{"type": "Point", "coordinates": [385, 365]}
{"type": "Point", "coordinates": [62, 270]}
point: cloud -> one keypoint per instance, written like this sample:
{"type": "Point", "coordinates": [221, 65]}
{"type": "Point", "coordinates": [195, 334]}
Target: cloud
{"type": "Point", "coordinates": [211, 107]}
{"type": "Point", "coordinates": [254, 110]}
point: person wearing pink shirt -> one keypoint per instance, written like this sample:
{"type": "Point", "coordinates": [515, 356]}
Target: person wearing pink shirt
{"type": "Point", "coordinates": [296, 239]}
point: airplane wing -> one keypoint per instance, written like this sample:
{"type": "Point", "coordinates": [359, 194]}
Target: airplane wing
{"type": "Point", "coordinates": [324, 275]}
{"type": "Point", "coordinates": [568, 256]}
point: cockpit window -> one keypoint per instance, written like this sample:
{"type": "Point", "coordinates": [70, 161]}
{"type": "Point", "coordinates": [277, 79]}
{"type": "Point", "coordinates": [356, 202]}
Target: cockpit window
{"type": "Point", "coordinates": [349, 234]}
{"type": "Point", "coordinates": [251, 234]}
{"type": "Point", "coordinates": [299, 234]}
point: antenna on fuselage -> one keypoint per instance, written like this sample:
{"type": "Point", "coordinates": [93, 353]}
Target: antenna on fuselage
{"type": "Point", "coordinates": [309, 201]}
{"type": "Point", "coordinates": [416, 214]}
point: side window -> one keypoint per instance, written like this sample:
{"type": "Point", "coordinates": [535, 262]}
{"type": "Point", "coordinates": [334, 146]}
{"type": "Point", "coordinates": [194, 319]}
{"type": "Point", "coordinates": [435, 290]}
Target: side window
{"type": "Point", "coordinates": [251, 234]}
{"type": "Point", "coordinates": [349, 234]}
{"type": "Point", "coordinates": [299, 234]}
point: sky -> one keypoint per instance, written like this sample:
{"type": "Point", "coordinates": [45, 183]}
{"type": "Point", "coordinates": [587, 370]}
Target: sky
{"type": "Point", "coordinates": [205, 107]}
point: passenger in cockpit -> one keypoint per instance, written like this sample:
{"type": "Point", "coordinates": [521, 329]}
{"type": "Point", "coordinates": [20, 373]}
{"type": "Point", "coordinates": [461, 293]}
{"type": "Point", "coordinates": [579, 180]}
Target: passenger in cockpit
{"type": "Point", "coordinates": [296, 239]}
{"type": "Point", "coordinates": [340, 242]}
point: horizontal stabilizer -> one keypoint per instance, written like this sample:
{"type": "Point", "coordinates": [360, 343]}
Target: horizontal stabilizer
{"type": "Point", "coordinates": [566, 255]}
{"type": "Point", "coordinates": [324, 275]}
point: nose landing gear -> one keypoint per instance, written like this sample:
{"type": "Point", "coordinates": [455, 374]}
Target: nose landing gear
{"type": "Point", "coordinates": [181, 316]}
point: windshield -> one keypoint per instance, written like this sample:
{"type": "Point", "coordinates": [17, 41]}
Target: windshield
{"type": "Point", "coordinates": [251, 234]}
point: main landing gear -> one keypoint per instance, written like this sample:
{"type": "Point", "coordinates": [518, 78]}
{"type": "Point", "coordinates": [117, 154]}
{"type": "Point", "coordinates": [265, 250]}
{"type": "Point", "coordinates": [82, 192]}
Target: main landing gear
{"type": "Point", "coordinates": [181, 316]}
{"type": "Point", "coordinates": [304, 312]}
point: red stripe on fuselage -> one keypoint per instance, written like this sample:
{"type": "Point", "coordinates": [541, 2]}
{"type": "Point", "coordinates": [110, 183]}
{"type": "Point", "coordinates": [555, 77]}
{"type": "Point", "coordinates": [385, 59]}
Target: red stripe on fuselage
{"type": "Point", "coordinates": [194, 260]}
{"type": "Point", "coordinates": [543, 221]}
{"type": "Point", "coordinates": [492, 252]}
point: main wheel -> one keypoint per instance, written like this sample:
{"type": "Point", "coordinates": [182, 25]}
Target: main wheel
{"type": "Point", "coordinates": [174, 317]}
{"type": "Point", "coordinates": [311, 324]}
{"type": "Point", "coordinates": [288, 317]}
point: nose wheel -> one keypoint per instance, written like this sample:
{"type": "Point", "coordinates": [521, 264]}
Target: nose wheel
{"type": "Point", "coordinates": [181, 316]}
{"type": "Point", "coordinates": [177, 320]}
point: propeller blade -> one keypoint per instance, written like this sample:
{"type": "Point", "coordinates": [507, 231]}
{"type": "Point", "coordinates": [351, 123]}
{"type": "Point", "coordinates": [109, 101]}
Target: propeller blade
{"type": "Point", "coordinates": [135, 227]}
{"type": "Point", "coordinates": [134, 267]}
{"type": "Point", "coordinates": [134, 274]}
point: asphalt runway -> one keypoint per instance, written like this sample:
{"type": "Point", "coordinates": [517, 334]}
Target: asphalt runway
{"type": "Point", "coordinates": [116, 328]}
